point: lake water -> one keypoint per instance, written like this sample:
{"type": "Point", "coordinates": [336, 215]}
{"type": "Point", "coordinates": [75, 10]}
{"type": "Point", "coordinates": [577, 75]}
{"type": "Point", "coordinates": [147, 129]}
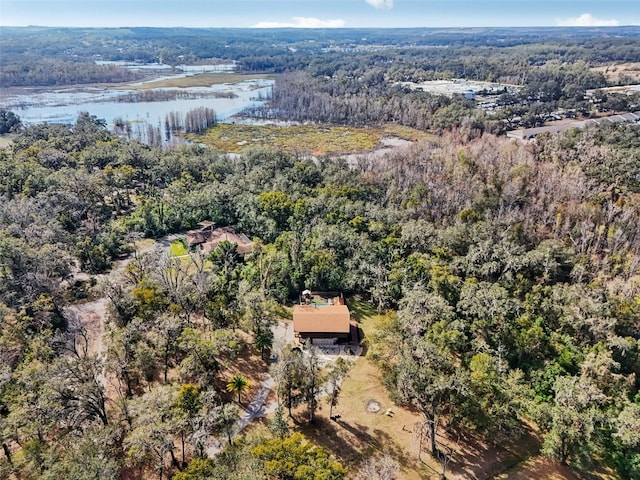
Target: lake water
{"type": "Point", "coordinates": [64, 105]}
{"type": "Point", "coordinates": [217, 68]}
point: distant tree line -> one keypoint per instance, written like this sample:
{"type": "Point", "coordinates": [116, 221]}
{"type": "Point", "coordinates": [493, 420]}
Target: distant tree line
{"type": "Point", "coordinates": [47, 72]}
{"type": "Point", "coordinates": [468, 54]}
{"type": "Point", "coordinates": [364, 93]}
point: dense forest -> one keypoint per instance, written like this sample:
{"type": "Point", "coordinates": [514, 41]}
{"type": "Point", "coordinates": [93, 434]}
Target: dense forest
{"type": "Point", "coordinates": [501, 278]}
{"type": "Point", "coordinates": [506, 273]}
{"type": "Point", "coordinates": [355, 77]}
{"type": "Point", "coordinates": [37, 56]}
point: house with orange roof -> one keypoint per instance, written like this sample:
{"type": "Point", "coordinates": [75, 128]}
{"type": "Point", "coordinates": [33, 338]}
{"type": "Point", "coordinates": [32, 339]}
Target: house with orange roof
{"type": "Point", "coordinates": [324, 321]}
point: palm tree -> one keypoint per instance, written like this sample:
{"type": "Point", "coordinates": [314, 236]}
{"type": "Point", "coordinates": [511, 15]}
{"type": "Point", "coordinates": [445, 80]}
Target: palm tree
{"type": "Point", "coordinates": [238, 383]}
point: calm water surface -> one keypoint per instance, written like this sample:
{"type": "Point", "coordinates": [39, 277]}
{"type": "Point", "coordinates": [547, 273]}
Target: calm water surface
{"type": "Point", "coordinates": [64, 105]}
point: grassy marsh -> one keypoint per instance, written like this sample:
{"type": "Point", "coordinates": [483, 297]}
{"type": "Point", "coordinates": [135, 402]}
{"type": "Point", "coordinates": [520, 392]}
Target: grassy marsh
{"type": "Point", "coordinates": [305, 139]}
{"type": "Point", "coordinates": [199, 80]}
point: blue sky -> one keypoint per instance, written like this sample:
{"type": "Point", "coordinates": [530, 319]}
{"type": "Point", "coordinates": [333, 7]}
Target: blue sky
{"type": "Point", "coordinates": [318, 13]}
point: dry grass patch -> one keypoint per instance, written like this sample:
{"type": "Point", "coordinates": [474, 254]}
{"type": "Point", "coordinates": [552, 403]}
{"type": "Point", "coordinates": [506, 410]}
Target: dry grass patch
{"type": "Point", "coordinates": [360, 433]}
{"type": "Point", "coordinates": [143, 244]}
{"type": "Point", "coordinates": [540, 467]}
{"type": "Point", "coordinates": [199, 80]}
{"type": "Point", "coordinates": [614, 73]}
{"type": "Point", "coordinates": [406, 133]}
{"type": "Point", "coordinates": [6, 140]}
{"type": "Point", "coordinates": [303, 139]}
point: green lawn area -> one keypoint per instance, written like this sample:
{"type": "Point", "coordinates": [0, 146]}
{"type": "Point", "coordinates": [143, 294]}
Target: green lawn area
{"type": "Point", "coordinates": [178, 249]}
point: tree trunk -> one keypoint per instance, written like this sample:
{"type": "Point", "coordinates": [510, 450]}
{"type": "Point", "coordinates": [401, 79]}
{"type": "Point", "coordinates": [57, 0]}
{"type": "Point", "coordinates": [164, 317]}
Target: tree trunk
{"type": "Point", "coordinates": [332, 402]}
{"type": "Point", "coordinates": [564, 455]}
{"type": "Point", "coordinates": [182, 440]}
{"type": "Point", "coordinates": [430, 420]}
{"type": "Point", "coordinates": [103, 417]}
{"type": "Point", "coordinates": [432, 436]}
{"type": "Point", "coordinates": [174, 460]}
{"type": "Point", "coordinates": [166, 363]}
{"type": "Point", "coordinates": [127, 382]}
{"type": "Point", "coordinates": [7, 453]}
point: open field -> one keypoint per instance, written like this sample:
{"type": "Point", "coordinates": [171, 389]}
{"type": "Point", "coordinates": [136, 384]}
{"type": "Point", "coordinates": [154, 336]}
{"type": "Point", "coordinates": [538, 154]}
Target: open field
{"type": "Point", "coordinates": [406, 133]}
{"type": "Point", "coordinates": [615, 73]}
{"type": "Point", "coordinates": [459, 86]}
{"type": "Point", "coordinates": [199, 80]}
{"type": "Point", "coordinates": [6, 140]}
{"type": "Point", "coordinates": [359, 433]}
{"type": "Point", "coordinates": [304, 139]}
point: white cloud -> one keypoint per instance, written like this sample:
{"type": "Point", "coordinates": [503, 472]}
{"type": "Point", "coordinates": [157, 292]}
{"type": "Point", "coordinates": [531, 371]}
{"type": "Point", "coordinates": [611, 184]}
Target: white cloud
{"type": "Point", "coordinates": [381, 3]}
{"type": "Point", "coordinates": [587, 20]}
{"type": "Point", "coordinates": [303, 22]}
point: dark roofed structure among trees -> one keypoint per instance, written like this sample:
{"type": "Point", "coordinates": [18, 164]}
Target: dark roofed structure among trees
{"type": "Point", "coordinates": [208, 238]}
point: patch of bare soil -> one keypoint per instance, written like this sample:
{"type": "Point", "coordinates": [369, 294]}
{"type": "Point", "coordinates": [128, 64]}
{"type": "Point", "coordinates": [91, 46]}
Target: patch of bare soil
{"type": "Point", "coordinates": [538, 467]}
{"type": "Point", "coordinates": [6, 140]}
{"type": "Point", "coordinates": [543, 468]}
{"type": "Point", "coordinates": [88, 320]}
{"type": "Point", "coordinates": [474, 458]}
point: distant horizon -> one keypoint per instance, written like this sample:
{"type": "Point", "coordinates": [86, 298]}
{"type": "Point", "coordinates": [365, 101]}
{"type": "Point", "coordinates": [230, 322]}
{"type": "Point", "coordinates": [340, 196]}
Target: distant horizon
{"type": "Point", "coordinates": [456, 27]}
{"type": "Point", "coordinates": [352, 14]}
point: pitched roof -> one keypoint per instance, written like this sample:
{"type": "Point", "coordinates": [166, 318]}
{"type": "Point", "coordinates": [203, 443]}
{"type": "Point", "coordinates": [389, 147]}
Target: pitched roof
{"type": "Point", "coordinates": [195, 238]}
{"type": "Point", "coordinates": [321, 319]}
{"type": "Point", "coordinates": [230, 235]}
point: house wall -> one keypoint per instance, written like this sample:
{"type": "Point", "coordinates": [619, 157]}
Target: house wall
{"type": "Point", "coordinates": [320, 336]}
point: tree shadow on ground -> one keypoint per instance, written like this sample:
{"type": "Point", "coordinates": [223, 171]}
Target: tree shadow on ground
{"type": "Point", "coordinates": [477, 458]}
{"type": "Point", "coordinates": [248, 363]}
{"type": "Point", "coordinates": [352, 442]}
{"type": "Point", "coordinates": [360, 308]}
